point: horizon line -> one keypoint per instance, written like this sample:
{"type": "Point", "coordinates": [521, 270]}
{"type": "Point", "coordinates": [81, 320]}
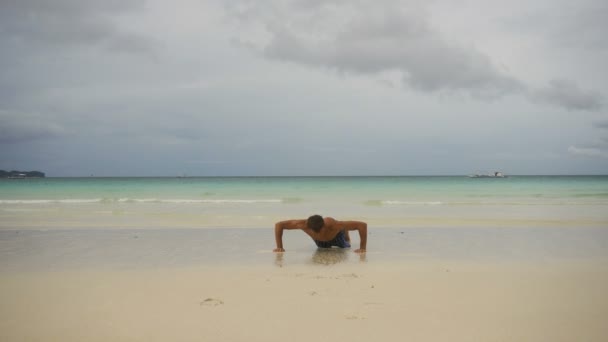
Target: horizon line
{"type": "Point", "coordinates": [313, 176]}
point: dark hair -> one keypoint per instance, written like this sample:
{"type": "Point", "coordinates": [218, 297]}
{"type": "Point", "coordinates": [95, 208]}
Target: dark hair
{"type": "Point", "coordinates": [315, 222]}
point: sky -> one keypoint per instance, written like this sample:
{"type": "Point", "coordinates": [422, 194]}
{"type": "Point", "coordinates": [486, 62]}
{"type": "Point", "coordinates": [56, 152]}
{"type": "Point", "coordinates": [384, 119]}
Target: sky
{"type": "Point", "coordinates": [303, 87]}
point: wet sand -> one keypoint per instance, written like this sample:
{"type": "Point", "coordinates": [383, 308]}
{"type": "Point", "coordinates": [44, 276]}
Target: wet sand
{"type": "Point", "coordinates": [223, 286]}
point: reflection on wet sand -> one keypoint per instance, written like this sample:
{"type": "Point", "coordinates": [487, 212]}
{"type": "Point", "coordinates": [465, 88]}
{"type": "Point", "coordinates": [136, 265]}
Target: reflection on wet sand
{"type": "Point", "coordinates": [330, 256]}
{"type": "Point", "coordinates": [278, 259]}
{"type": "Point", "coordinates": [326, 256]}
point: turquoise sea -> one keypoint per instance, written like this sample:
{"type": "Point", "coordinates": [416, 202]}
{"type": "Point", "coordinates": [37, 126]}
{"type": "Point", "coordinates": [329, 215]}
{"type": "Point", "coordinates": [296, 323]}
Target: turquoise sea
{"type": "Point", "coordinates": [257, 202]}
{"type": "Point", "coordinates": [88, 223]}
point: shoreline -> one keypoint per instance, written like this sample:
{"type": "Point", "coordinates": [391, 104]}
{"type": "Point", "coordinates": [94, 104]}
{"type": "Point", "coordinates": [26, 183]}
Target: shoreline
{"type": "Point", "coordinates": [145, 248]}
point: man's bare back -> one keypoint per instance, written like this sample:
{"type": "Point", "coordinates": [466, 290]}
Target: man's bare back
{"type": "Point", "coordinates": [326, 232]}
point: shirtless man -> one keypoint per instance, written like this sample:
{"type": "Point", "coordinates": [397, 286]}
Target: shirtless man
{"type": "Point", "coordinates": [325, 232]}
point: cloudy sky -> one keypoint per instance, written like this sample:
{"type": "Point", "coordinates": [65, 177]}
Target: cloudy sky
{"type": "Point", "coordinates": [303, 87]}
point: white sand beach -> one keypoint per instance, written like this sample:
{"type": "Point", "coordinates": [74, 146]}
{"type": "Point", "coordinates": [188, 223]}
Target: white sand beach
{"type": "Point", "coordinates": [426, 284]}
{"type": "Point", "coordinates": [420, 301]}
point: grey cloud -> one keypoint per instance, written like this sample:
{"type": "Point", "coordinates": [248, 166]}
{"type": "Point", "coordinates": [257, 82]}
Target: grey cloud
{"type": "Point", "coordinates": [564, 24]}
{"type": "Point", "coordinates": [391, 39]}
{"type": "Point", "coordinates": [354, 36]}
{"type": "Point", "coordinates": [601, 124]}
{"type": "Point", "coordinates": [584, 27]}
{"type": "Point", "coordinates": [588, 151]}
{"type": "Point", "coordinates": [50, 48]}
{"type": "Point", "coordinates": [595, 148]}
{"type": "Point", "coordinates": [67, 22]}
{"type": "Point", "coordinates": [568, 95]}
{"type": "Point", "coordinates": [599, 143]}
{"type": "Point", "coordinates": [18, 127]}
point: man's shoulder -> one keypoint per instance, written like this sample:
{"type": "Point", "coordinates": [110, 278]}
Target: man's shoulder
{"type": "Point", "coordinates": [330, 221]}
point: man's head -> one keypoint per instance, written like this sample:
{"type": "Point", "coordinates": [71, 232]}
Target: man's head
{"type": "Point", "coordinates": [315, 222]}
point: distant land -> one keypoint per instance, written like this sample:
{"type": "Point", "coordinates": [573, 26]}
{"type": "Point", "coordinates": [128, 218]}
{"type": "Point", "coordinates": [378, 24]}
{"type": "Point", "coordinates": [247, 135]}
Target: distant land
{"type": "Point", "coordinates": [21, 174]}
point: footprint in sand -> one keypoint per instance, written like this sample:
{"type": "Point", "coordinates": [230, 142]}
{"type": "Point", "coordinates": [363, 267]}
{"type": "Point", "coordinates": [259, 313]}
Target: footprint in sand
{"type": "Point", "coordinates": [211, 302]}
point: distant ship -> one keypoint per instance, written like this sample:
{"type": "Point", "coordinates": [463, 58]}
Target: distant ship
{"type": "Point", "coordinates": [496, 174]}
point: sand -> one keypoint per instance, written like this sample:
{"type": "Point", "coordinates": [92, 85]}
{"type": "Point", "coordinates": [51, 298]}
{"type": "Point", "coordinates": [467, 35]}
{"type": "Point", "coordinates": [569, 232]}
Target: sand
{"type": "Point", "coordinates": [428, 300]}
{"type": "Point", "coordinates": [456, 284]}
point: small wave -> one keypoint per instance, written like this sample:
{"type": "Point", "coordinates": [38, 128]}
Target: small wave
{"type": "Point", "coordinates": [411, 203]}
{"type": "Point", "coordinates": [246, 201]}
{"type": "Point", "coordinates": [24, 201]}
{"type": "Point", "coordinates": [45, 201]}
{"type": "Point", "coordinates": [393, 202]}
{"type": "Point", "coordinates": [138, 200]}
{"type": "Point", "coordinates": [148, 200]}
{"type": "Point", "coordinates": [197, 201]}
{"type": "Point", "coordinates": [76, 201]}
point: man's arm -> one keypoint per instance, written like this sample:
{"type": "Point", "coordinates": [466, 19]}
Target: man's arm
{"type": "Point", "coordinates": [280, 226]}
{"type": "Point", "coordinates": [359, 226]}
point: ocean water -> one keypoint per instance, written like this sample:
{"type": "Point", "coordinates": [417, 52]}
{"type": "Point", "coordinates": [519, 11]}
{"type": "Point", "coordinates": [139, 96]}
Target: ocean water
{"type": "Point", "coordinates": [258, 202]}
{"type": "Point", "coordinates": [88, 223]}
